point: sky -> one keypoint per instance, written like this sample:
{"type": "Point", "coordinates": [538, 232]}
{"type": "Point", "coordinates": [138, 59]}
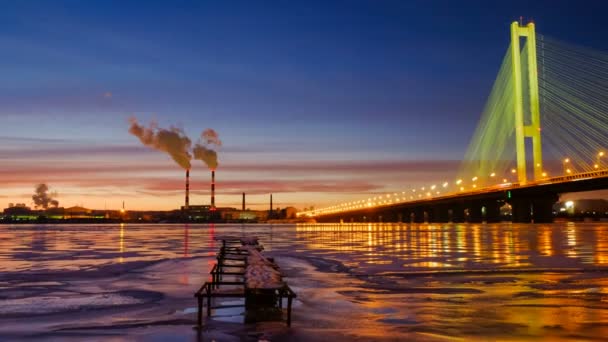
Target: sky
{"type": "Point", "coordinates": [316, 102]}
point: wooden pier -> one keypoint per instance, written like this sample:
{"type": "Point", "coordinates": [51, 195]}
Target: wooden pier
{"type": "Point", "coordinates": [259, 281]}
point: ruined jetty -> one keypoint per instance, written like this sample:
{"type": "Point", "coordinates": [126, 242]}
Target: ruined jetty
{"type": "Point", "coordinates": [256, 278]}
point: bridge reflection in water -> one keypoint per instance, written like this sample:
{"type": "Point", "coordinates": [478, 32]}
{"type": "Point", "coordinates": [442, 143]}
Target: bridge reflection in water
{"type": "Point", "coordinates": [470, 282]}
{"type": "Point", "coordinates": [461, 247]}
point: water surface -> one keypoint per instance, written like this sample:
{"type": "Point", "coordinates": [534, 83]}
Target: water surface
{"type": "Point", "coordinates": [362, 281]}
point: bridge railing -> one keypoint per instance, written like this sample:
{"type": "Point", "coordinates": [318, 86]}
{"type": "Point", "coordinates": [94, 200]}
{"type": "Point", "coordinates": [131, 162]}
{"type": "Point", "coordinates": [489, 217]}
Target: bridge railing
{"type": "Point", "coordinates": [492, 188]}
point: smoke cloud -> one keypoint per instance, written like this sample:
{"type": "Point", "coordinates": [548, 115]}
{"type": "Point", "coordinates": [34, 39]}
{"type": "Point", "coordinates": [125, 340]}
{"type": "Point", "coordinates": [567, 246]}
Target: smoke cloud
{"type": "Point", "coordinates": [42, 199]}
{"type": "Point", "coordinates": [210, 137]}
{"type": "Point", "coordinates": [172, 141]}
{"type": "Point", "coordinates": [203, 150]}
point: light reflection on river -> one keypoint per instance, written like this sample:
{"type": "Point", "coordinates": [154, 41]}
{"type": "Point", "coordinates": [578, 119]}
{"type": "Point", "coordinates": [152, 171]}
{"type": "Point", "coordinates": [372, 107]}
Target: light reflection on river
{"type": "Point", "coordinates": [365, 247]}
{"type": "Point", "coordinates": [422, 281]}
{"type": "Point", "coordinates": [430, 247]}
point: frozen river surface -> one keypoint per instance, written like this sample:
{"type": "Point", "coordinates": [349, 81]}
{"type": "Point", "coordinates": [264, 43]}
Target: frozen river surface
{"type": "Point", "coordinates": [354, 282]}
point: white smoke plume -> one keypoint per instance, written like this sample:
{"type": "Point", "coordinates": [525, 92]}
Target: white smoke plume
{"type": "Point", "coordinates": [172, 141]}
{"type": "Point", "coordinates": [203, 149]}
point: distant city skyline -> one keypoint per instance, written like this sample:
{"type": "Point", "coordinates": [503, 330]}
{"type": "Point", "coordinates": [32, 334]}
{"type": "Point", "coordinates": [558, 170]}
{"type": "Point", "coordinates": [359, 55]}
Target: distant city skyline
{"type": "Point", "coordinates": [316, 102]}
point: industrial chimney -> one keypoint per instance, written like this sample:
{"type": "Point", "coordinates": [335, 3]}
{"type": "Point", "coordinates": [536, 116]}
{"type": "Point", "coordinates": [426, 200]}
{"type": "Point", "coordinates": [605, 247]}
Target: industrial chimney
{"type": "Point", "coordinates": [212, 189]}
{"type": "Point", "coordinates": [187, 204]}
{"type": "Point", "coordinates": [271, 212]}
{"type": "Point", "coordinates": [243, 201]}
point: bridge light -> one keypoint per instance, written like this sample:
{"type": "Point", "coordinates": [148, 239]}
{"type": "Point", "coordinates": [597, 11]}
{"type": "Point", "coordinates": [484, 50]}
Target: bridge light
{"type": "Point", "coordinates": [433, 187]}
{"type": "Point", "coordinates": [492, 174]}
{"type": "Point", "coordinates": [596, 166]}
{"type": "Point", "coordinates": [474, 178]}
{"type": "Point", "coordinates": [513, 171]}
{"type": "Point", "coordinates": [601, 154]}
{"type": "Point", "coordinates": [544, 174]}
{"type": "Point", "coordinates": [462, 188]}
{"type": "Point", "coordinates": [566, 169]}
{"type": "Point", "coordinates": [474, 185]}
{"type": "Point", "coordinates": [459, 181]}
{"type": "Point", "coordinates": [445, 184]}
{"type": "Point", "coordinates": [504, 180]}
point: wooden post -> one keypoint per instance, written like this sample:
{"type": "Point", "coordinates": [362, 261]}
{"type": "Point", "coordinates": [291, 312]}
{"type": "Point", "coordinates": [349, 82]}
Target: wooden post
{"type": "Point", "coordinates": [289, 311]}
{"type": "Point", "coordinates": [200, 311]}
{"type": "Point", "coordinates": [208, 301]}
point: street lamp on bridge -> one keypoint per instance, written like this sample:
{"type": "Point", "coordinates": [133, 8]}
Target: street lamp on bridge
{"type": "Point", "coordinates": [567, 170]}
{"type": "Point", "coordinates": [598, 163]}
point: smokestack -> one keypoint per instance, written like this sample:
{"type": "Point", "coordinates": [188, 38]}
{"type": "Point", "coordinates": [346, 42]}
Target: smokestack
{"type": "Point", "coordinates": [187, 204]}
{"type": "Point", "coordinates": [243, 201]}
{"type": "Point", "coordinates": [212, 189]}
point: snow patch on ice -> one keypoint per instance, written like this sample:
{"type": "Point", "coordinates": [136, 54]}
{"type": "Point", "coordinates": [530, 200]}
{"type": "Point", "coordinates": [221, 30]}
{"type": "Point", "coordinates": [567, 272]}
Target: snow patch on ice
{"type": "Point", "coordinates": [51, 304]}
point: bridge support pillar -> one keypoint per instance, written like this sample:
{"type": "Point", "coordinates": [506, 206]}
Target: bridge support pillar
{"type": "Point", "coordinates": [537, 209]}
{"type": "Point", "coordinates": [457, 213]}
{"type": "Point", "coordinates": [419, 215]}
{"type": "Point", "coordinates": [429, 215]}
{"type": "Point", "coordinates": [492, 211]}
{"type": "Point", "coordinates": [483, 211]}
{"type": "Point", "coordinates": [521, 211]}
{"type": "Point", "coordinates": [475, 213]}
{"type": "Point", "coordinates": [433, 214]}
{"type": "Point", "coordinates": [441, 214]}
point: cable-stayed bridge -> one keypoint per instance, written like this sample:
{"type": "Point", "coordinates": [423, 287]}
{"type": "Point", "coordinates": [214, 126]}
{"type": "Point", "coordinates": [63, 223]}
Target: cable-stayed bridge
{"type": "Point", "coordinates": [542, 132]}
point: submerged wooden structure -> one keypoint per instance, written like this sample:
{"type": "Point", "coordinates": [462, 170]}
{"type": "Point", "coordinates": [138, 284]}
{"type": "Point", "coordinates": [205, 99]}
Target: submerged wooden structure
{"type": "Point", "coordinates": [258, 280]}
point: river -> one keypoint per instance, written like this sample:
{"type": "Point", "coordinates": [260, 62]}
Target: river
{"type": "Point", "coordinates": [354, 282]}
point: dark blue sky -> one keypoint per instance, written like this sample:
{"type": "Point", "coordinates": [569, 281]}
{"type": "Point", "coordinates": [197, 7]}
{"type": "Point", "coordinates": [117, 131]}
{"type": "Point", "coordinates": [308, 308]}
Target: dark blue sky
{"type": "Point", "coordinates": [284, 81]}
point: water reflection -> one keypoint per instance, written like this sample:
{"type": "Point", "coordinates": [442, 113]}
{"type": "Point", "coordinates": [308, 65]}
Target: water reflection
{"type": "Point", "coordinates": [186, 234]}
{"type": "Point", "coordinates": [121, 243]}
{"type": "Point", "coordinates": [435, 246]}
{"type": "Point", "coordinates": [366, 247]}
{"type": "Point", "coordinates": [471, 305]}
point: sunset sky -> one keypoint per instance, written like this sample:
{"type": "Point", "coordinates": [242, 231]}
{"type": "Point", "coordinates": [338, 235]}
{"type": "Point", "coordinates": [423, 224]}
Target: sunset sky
{"type": "Point", "coordinates": [315, 101]}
